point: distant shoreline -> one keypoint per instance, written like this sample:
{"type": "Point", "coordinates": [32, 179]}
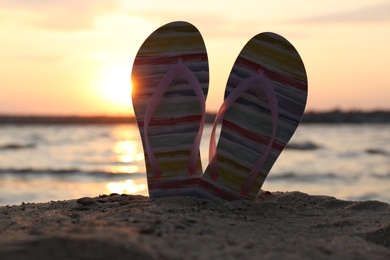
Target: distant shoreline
{"type": "Point", "coordinates": [330, 117]}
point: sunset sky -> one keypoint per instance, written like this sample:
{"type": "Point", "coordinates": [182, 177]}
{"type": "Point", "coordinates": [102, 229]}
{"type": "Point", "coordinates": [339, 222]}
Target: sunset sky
{"type": "Point", "coordinates": [74, 57]}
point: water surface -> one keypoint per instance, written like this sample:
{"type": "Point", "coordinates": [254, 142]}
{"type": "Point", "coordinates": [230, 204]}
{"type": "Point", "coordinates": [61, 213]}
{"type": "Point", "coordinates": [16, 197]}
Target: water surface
{"type": "Point", "coordinates": [40, 163]}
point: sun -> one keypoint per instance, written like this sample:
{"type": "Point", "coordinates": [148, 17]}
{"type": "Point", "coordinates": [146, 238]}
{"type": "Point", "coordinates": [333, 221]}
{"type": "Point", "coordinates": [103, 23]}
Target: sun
{"type": "Point", "coordinates": [115, 85]}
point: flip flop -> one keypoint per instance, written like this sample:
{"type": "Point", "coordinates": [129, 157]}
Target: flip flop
{"type": "Point", "coordinates": [170, 79]}
{"type": "Point", "coordinates": [265, 99]}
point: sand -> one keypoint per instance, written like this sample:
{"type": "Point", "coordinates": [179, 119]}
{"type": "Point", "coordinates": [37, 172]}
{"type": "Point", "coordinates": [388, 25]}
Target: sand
{"type": "Point", "coordinates": [278, 225]}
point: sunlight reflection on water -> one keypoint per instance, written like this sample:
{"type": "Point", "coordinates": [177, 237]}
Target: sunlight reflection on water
{"type": "Point", "coordinates": [125, 187]}
{"type": "Point", "coordinates": [123, 169]}
{"type": "Point", "coordinates": [127, 151]}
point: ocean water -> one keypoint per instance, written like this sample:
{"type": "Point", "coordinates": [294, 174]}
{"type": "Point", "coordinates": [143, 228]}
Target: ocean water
{"type": "Point", "coordinates": [41, 163]}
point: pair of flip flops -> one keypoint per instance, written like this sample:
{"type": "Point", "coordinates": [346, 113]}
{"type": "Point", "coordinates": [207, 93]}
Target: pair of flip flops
{"type": "Point", "coordinates": [265, 98]}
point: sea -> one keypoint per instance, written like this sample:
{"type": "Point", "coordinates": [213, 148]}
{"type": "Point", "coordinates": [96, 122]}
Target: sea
{"type": "Point", "coordinates": [43, 163]}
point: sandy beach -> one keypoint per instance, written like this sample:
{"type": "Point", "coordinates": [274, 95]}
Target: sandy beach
{"type": "Point", "coordinates": [277, 225]}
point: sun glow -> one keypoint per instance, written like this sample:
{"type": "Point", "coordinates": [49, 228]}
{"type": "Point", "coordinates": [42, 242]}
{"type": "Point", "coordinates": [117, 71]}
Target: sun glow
{"type": "Point", "coordinates": [115, 85]}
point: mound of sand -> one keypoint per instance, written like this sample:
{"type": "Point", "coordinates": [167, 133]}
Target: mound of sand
{"type": "Point", "coordinates": [277, 225]}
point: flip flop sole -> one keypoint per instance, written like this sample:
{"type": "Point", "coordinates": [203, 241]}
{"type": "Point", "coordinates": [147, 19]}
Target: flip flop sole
{"type": "Point", "coordinates": [247, 123]}
{"type": "Point", "coordinates": [175, 121]}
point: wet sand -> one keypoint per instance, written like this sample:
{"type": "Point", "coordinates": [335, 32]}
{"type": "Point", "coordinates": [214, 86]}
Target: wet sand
{"type": "Point", "coordinates": [277, 225]}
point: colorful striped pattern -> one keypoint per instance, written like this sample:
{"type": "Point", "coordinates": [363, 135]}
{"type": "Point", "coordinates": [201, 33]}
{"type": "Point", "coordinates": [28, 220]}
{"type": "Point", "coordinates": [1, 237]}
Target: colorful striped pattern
{"type": "Point", "coordinates": [246, 126]}
{"type": "Point", "coordinates": [175, 122]}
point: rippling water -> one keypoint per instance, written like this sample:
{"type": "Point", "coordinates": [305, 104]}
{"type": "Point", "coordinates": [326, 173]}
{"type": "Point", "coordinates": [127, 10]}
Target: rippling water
{"type": "Point", "coordinates": [53, 162]}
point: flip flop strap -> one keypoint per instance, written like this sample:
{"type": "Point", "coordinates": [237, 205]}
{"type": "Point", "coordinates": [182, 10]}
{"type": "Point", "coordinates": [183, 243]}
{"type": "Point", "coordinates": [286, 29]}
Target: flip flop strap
{"type": "Point", "coordinates": [264, 83]}
{"type": "Point", "coordinates": [176, 70]}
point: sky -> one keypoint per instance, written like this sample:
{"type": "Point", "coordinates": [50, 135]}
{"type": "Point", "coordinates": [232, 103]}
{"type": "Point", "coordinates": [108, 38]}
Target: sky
{"type": "Point", "coordinates": [75, 57]}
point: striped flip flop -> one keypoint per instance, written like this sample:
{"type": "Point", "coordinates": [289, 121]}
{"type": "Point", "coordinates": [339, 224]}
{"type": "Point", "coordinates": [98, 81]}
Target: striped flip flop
{"type": "Point", "coordinates": [170, 79]}
{"type": "Point", "coordinates": [265, 99]}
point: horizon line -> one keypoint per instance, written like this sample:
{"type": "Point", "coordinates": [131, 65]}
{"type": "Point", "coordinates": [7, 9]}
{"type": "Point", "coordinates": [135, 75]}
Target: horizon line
{"type": "Point", "coordinates": [333, 116]}
{"type": "Point", "coordinates": [131, 115]}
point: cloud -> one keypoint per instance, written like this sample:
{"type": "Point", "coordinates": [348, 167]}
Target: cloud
{"type": "Point", "coordinates": [57, 14]}
{"type": "Point", "coordinates": [370, 14]}
{"type": "Point", "coordinates": [212, 25]}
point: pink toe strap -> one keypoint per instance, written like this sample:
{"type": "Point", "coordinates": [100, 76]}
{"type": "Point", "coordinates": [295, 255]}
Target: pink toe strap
{"type": "Point", "coordinates": [264, 83]}
{"type": "Point", "coordinates": [176, 70]}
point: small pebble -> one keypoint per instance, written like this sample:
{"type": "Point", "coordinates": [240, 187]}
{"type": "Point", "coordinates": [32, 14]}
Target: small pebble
{"type": "Point", "coordinates": [85, 201]}
{"type": "Point", "coordinates": [230, 206]}
{"type": "Point", "coordinates": [147, 230]}
{"type": "Point", "coordinates": [191, 221]}
{"type": "Point", "coordinates": [132, 220]}
{"type": "Point", "coordinates": [180, 227]}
